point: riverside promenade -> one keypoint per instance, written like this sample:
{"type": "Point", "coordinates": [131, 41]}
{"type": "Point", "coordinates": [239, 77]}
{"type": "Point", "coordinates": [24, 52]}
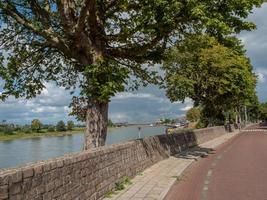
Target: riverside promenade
{"type": "Point", "coordinates": [155, 182]}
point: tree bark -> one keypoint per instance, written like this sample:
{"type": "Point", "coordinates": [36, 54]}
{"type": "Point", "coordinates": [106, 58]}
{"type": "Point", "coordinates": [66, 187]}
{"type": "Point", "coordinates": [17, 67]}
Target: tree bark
{"type": "Point", "coordinates": [239, 115]}
{"type": "Point", "coordinates": [246, 114]}
{"type": "Point", "coordinates": [236, 115]}
{"type": "Point", "coordinates": [96, 125]}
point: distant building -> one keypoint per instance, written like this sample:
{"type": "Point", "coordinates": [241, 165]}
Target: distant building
{"type": "Point", "coordinates": [159, 121]}
{"type": "Point", "coordinates": [119, 124]}
{"type": "Point", "coordinates": [3, 123]}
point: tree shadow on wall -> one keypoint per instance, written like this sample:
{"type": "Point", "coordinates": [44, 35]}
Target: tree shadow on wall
{"type": "Point", "coordinates": [195, 153]}
{"type": "Point", "coordinates": [180, 145]}
{"type": "Point", "coordinates": [164, 146]}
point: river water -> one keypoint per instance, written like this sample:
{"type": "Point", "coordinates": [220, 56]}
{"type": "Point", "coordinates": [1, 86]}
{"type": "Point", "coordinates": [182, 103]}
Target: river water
{"type": "Point", "coordinates": [21, 151]}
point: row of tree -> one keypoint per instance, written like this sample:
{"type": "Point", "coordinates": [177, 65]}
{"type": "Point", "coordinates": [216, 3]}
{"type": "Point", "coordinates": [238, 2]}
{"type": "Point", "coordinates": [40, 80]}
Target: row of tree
{"type": "Point", "coordinates": [253, 113]}
{"type": "Point", "coordinates": [105, 46]}
{"type": "Point", "coordinates": [263, 112]}
{"type": "Point", "coordinates": [37, 127]}
{"type": "Point", "coordinates": [217, 76]}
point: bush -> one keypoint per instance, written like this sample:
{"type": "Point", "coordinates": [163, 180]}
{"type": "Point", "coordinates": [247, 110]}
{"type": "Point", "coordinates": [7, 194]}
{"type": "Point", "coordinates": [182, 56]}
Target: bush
{"type": "Point", "coordinates": [70, 125]}
{"type": "Point", "coordinates": [26, 129]}
{"type": "Point", "coordinates": [110, 123]}
{"type": "Point", "coordinates": [36, 125]}
{"type": "Point", "coordinates": [17, 128]}
{"type": "Point", "coordinates": [51, 129]}
{"type": "Point", "coordinates": [9, 130]}
{"type": "Point", "coordinates": [193, 114]}
{"type": "Point", "coordinates": [61, 126]}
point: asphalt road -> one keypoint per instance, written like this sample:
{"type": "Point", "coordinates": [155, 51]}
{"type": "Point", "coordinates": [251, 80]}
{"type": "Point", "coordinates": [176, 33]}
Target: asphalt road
{"type": "Point", "coordinates": [237, 170]}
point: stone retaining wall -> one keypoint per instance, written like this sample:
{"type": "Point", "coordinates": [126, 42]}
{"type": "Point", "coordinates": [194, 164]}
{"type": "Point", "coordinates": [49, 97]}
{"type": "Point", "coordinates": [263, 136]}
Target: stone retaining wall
{"type": "Point", "coordinates": [90, 174]}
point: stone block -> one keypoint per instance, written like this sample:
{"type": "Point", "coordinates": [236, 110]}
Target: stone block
{"type": "Point", "coordinates": [3, 192]}
{"type": "Point", "coordinates": [50, 186]}
{"type": "Point", "coordinates": [38, 169]}
{"type": "Point", "coordinates": [16, 197]}
{"type": "Point", "coordinates": [53, 165]}
{"type": "Point", "coordinates": [4, 179]}
{"type": "Point", "coordinates": [36, 181]}
{"type": "Point", "coordinates": [27, 172]}
{"type": "Point", "coordinates": [14, 188]}
{"type": "Point", "coordinates": [27, 184]}
{"type": "Point", "coordinates": [40, 190]}
{"type": "Point", "coordinates": [16, 177]}
{"type": "Point", "coordinates": [60, 163]}
{"type": "Point", "coordinates": [47, 167]}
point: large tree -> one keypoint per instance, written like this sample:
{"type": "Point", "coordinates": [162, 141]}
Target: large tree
{"type": "Point", "coordinates": [216, 77]}
{"type": "Point", "coordinates": [36, 125]}
{"type": "Point", "coordinates": [96, 45]}
{"type": "Point", "coordinates": [263, 111]}
{"type": "Point", "coordinates": [193, 114]}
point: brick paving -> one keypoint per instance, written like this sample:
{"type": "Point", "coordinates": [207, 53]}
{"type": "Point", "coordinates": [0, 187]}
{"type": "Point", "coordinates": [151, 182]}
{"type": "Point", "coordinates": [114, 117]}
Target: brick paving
{"type": "Point", "coordinates": [237, 171]}
{"type": "Point", "coordinates": [155, 182]}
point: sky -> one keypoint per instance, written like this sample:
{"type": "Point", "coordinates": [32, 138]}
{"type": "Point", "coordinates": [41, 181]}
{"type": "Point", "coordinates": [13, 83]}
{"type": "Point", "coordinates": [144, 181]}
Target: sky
{"type": "Point", "coordinates": [143, 106]}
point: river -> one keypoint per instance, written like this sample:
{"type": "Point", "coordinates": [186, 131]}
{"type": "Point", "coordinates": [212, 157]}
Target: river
{"type": "Point", "coordinates": [22, 151]}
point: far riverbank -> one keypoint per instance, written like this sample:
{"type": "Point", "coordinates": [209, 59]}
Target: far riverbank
{"type": "Point", "coordinates": [21, 135]}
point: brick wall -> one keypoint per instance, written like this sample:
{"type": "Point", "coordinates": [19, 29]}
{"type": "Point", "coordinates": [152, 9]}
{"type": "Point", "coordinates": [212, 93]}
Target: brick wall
{"type": "Point", "coordinates": [90, 174]}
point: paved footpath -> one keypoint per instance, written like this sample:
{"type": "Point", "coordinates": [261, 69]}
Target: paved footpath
{"type": "Point", "coordinates": [236, 171]}
{"type": "Point", "coordinates": [155, 182]}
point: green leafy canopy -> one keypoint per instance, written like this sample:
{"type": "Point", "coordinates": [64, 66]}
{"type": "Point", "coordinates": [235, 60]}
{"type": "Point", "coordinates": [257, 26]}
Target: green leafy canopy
{"type": "Point", "coordinates": [98, 45]}
{"type": "Point", "coordinates": [214, 76]}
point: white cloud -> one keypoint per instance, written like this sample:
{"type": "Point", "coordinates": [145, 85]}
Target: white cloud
{"type": "Point", "coordinates": [127, 95]}
{"type": "Point", "coordinates": [186, 108]}
{"type": "Point", "coordinates": [256, 44]}
{"type": "Point", "coordinates": [119, 117]}
{"type": "Point", "coordinates": [262, 74]}
{"type": "Point", "coordinates": [50, 106]}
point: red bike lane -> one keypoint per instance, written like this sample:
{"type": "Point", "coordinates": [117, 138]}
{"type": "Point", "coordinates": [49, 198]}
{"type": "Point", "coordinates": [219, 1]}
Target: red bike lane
{"type": "Point", "coordinates": [236, 171]}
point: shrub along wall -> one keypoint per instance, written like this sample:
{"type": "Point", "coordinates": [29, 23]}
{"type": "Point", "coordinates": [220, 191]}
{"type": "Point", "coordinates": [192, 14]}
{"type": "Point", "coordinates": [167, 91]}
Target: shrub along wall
{"type": "Point", "coordinates": [90, 174]}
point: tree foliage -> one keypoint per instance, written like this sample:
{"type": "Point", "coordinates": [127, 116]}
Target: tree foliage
{"type": "Point", "coordinates": [215, 76]}
{"type": "Point", "coordinates": [51, 128]}
{"type": "Point", "coordinates": [70, 125]}
{"type": "Point", "coordinates": [263, 111]}
{"type": "Point", "coordinates": [110, 123]}
{"type": "Point", "coordinates": [61, 126]}
{"type": "Point", "coordinates": [193, 114]}
{"type": "Point", "coordinates": [97, 45]}
{"type": "Point", "coordinates": [36, 125]}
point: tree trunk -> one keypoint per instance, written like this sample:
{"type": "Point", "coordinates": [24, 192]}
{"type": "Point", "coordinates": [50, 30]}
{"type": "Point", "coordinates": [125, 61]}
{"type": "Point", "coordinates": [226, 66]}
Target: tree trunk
{"type": "Point", "coordinates": [236, 115]}
{"type": "Point", "coordinates": [96, 125]}
{"type": "Point", "coordinates": [246, 114]}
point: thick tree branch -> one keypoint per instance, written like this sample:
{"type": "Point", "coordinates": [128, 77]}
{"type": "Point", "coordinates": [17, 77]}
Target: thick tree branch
{"type": "Point", "coordinates": [47, 34]}
{"type": "Point", "coordinates": [135, 50]}
{"type": "Point", "coordinates": [42, 14]}
{"type": "Point", "coordinates": [13, 12]}
{"type": "Point", "coordinates": [92, 18]}
{"type": "Point", "coordinates": [67, 14]}
{"type": "Point", "coordinates": [83, 14]}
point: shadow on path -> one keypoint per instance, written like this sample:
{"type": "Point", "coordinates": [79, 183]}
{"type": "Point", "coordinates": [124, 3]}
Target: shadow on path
{"type": "Point", "coordinates": [195, 153]}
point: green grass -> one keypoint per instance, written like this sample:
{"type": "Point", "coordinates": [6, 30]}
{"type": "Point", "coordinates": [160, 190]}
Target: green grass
{"type": "Point", "coordinates": [43, 133]}
{"type": "Point", "coordinates": [140, 174]}
{"type": "Point", "coordinates": [109, 194]}
{"type": "Point", "coordinates": [119, 186]}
